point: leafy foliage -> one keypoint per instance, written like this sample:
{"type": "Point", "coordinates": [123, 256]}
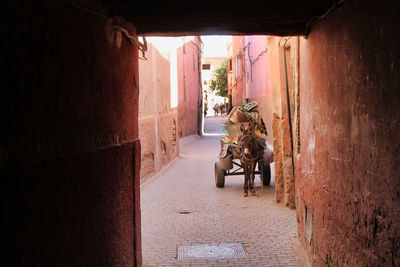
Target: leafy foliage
{"type": "Point", "coordinates": [219, 80]}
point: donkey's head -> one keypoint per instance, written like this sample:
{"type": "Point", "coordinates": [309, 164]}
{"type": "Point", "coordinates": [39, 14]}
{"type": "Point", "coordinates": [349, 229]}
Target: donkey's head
{"type": "Point", "coordinates": [246, 128]}
{"type": "Point", "coordinates": [248, 144]}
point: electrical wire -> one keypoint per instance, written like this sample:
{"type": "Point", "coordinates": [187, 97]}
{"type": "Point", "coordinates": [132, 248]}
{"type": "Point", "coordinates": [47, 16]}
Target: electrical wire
{"type": "Point", "coordinates": [255, 60]}
{"type": "Point", "coordinates": [288, 102]}
{"type": "Point", "coordinates": [327, 12]}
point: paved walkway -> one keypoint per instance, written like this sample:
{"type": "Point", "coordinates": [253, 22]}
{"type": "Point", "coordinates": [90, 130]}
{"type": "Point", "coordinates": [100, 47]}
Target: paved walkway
{"type": "Point", "coordinates": [181, 206]}
{"type": "Point", "coordinates": [212, 124]}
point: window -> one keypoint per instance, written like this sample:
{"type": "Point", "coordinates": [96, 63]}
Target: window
{"type": "Point", "coordinates": [206, 66]}
{"type": "Point", "coordinates": [238, 66]}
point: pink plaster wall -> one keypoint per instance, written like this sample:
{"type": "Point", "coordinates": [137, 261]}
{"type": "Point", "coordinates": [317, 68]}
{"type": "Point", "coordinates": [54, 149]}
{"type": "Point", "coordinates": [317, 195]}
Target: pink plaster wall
{"type": "Point", "coordinates": [258, 78]}
{"type": "Point", "coordinates": [257, 81]}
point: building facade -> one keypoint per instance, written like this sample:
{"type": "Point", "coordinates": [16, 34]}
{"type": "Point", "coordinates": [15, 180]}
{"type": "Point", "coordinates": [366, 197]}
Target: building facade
{"type": "Point", "coordinates": [168, 99]}
{"type": "Point", "coordinates": [237, 74]}
{"type": "Point", "coordinates": [189, 86]}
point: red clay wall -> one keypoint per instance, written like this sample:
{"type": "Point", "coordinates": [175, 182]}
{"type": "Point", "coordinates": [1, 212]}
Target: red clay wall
{"type": "Point", "coordinates": [68, 139]}
{"type": "Point", "coordinates": [189, 87]}
{"type": "Point", "coordinates": [157, 119]}
{"type": "Point", "coordinates": [349, 168]}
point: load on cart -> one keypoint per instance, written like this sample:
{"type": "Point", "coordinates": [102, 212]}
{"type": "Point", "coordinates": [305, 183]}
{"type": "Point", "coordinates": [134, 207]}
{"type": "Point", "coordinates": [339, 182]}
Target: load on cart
{"type": "Point", "coordinates": [243, 148]}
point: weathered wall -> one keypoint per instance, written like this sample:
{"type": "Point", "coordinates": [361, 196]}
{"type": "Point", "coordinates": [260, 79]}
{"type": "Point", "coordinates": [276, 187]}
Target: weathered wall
{"type": "Point", "coordinates": [189, 87]}
{"type": "Point", "coordinates": [68, 139]}
{"type": "Point", "coordinates": [157, 120]}
{"type": "Point", "coordinates": [284, 178]}
{"type": "Point", "coordinates": [256, 65]}
{"type": "Point", "coordinates": [348, 171]}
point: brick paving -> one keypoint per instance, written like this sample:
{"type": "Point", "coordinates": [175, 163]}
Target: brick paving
{"type": "Point", "coordinates": [182, 206]}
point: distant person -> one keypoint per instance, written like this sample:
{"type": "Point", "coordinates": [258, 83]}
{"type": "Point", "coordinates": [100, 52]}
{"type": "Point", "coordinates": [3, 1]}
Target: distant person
{"type": "Point", "coordinates": [216, 107]}
{"type": "Point", "coordinates": [222, 108]}
{"type": "Point", "coordinates": [205, 108]}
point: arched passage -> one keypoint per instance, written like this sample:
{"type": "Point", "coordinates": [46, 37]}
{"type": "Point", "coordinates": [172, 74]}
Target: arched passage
{"type": "Point", "coordinates": [69, 116]}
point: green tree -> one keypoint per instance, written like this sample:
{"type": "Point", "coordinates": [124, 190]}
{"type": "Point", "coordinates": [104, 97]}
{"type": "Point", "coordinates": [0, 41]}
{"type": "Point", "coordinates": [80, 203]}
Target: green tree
{"type": "Point", "coordinates": [219, 80]}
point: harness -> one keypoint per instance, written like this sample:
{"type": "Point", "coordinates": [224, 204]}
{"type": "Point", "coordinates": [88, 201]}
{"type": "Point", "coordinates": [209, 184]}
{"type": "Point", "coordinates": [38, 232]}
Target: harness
{"type": "Point", "coordinates": [236, 150]}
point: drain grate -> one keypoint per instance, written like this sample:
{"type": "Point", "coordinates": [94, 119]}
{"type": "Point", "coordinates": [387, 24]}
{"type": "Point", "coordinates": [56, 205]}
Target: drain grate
{"type": "Point", "coordinates": [211, 251]}
{"type": "Point", "coordinates": [184, 212]}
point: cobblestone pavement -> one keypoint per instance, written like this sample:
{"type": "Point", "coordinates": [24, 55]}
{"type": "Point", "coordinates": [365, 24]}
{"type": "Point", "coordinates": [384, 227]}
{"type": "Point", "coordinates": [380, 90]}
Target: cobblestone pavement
{"type": "Point", "coordinates": [182, 206]}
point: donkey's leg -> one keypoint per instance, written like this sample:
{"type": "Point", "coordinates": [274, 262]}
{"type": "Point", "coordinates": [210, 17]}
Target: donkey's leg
{"type": "Point", "coordinates": [251, 178]}
{"type": "Point", "coordinates": [246, 180]}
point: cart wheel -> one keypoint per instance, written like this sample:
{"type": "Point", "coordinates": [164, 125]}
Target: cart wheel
{"type": "Point", "coordinates": [219, 175]}
{"type": "Point", "coordinates": [266, 175]}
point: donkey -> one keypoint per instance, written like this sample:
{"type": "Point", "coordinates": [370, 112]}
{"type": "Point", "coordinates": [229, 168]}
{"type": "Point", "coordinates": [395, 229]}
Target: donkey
{"type": "Point", "coordinates": [251, 151]}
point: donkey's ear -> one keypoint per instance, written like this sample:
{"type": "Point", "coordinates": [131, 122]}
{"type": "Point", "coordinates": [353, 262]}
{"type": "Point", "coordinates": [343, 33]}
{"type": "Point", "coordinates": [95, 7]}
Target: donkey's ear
{"type": "Point", "coordinates": [242, 128]}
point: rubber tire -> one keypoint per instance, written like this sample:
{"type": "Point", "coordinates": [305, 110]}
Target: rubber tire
{"type": "Point", "coordinates": [219, 175]}
{"type": "Point", "coordinates": [266, 175]}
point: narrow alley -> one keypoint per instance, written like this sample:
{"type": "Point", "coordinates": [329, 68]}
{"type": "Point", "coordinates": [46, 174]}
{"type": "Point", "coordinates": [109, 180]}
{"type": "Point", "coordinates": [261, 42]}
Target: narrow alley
{"type": "Point", "coordinates": [182, 207]}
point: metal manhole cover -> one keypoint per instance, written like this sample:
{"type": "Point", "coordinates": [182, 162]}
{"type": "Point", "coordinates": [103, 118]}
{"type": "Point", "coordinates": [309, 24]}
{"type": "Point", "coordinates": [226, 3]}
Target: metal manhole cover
{"type": "Point", "coordinates": [211, 251]}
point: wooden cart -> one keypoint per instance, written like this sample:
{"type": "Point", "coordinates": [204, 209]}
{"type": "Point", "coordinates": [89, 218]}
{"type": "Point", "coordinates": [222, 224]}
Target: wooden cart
{"type": "Point", "coordinates": [229, 165]}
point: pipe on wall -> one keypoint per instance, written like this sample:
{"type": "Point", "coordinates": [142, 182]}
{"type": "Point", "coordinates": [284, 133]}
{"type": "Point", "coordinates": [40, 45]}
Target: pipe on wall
{"type": "Point", "coordinates": [288, 100]}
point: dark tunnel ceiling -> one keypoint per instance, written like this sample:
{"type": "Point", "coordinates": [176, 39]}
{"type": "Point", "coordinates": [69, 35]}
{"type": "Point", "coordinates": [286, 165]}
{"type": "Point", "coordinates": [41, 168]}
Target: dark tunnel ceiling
{"type": "Point", "coordinates": [273, 17]}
